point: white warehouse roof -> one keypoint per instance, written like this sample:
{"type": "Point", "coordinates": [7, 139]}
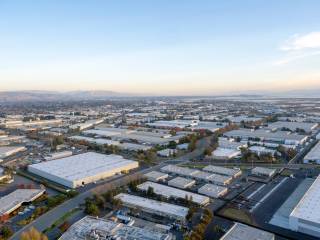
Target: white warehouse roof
{"type": "Point", "coordinates": [84, 168]}
{"type": "Point", "coordinates": [223, 171]}
{"type": "Point", "coordinates": [174, 192]}
{"type": "Point", "coordinates": [156, 176]}
{"type": "Point", "coordinates": [240, 232]}
{"type": "Point", "coordinates": [314, 154]}
{"type": "Point", "coordinates": [152, 206]}
{"type": "Point", "coordinates": [308, 209]}
{"type": "Point", "coordinates": [181, 182]}
{"type": "Point", "coordinates": [14, 200]}
{"type": "Point", "coordinates": [212, 190]}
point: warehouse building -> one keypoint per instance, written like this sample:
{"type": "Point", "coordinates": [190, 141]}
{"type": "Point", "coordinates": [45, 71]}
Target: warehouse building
{"type": "Point", "coordinates": [8, 151]}
{"type": "Point", "coordinates": [167, 152]}
{"type": "Point", "coordinates": [212, 178]}
{"type": "Point", "coordinates": [180, 182]}
{"type": "Point", "coordinates": [7, 140]}
{"type": "Point", "coordinates": [98, 228]}
{"type": "Point", "coordinates": [263, 172]}
{"type": "Point", "coordinates": [280, 137]}
{"type": "Point", "coordinates": [78, 170]}
{"type": "Point", "coordinates": [14, 200]}
{"type": "Point", "coordinates": [183, 171]}
{"type": "Point", "coordinates": [57, 155]}
{"type": "Point", "coordinates": [225, 153]}
{"type": "Point", "coordinates": [166, 210]}
{"type": "Point", "coordinates": [262, 150]}
{"type": "Point", "coordinates": [156, 176]}
{"type": "Point", "coordinates": [244, 232]}
{"type": "Point", "coordinates": [98, 141]}
{"type": "Point", "coordinates": [223, 171]}
{"type": "Point", "coordinates": [174, 124]}
{"type": "Point", "coordinates": [293, 126]}
{"type": "Point", "coordinates": [197, 174]}
{"type": "Point", "coordinates": [314, 155]}
{"type": "Point", "coordinates": [168, 192]}
{"type": "Point", "coordinates": [213, 191]}
{"type": "Point", "coordinates": [305, 217]}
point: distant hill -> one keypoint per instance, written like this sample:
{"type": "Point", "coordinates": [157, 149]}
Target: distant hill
{"type": "Point", "coordinates": [34, 96]}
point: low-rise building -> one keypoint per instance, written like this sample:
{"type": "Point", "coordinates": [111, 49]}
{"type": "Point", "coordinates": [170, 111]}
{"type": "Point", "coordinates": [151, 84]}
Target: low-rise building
{"type": "Point", "coordinates": [223, 171]}
{"type": "Point", "coordinates": [314, 155]}
{"type": "Point", "coordinates": [14, 200]}
{"type": "Point", "coordinates": [81, 169]}
{"type": "Point", "coordinates": [213, 191]}
{"type": "Point", "coordinates": [213, 178]}
{"type": "Point", "coordinates": [305, 216]}
{"type": "Point", "coordinates": [166, 152]}
{"type": "Point", "coordinates": [183, 171]}
{"type": "Point", "coordinates": [8, 151]}
{"type": "Point", "coordinates": [163, 209]}
{"type": "Point", "coordinates": [262, 150]}
{"type": "Point", "coordinates": [225, 153]}
{"type": "Point", "coordinates": [181, 182]}
{"type": "Point", "coordinates": [57, 155]}
{"type": "Point", "coordinates": [170, 192]}
{"type": "Point", "coordinates": [156, 176]}
{"type": "Point", "coordinates": [240, 232]}
{"type": "Point", "coordinates": [264, 172]}
{"type": "Point", "coordinates": [98, 228]}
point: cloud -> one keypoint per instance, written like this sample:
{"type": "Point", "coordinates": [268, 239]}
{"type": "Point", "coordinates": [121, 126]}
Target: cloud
{"type": "Point", "coordinates": [298, 47]}
{"type": "Point", "coordinates": [302, 42]}
{"type": "Point", "coordinates": [295, 57]}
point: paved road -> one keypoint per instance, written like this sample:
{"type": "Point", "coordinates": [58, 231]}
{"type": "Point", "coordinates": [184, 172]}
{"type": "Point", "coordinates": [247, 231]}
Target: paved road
{"type": "Point", "coordinates": [47, 219]}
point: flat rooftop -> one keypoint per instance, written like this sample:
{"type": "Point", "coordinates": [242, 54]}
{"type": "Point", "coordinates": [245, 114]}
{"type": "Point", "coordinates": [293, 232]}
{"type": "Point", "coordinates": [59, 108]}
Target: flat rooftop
{"type": "Point", "coordinates": [244, 232]}
{"type": "Point", "coordinates": [263, 171]}
{"type": "Point", "coordinates": [181, 181]}
{"type": "Point", "coordinates": [14, 200]}
{"type": "Point", "coordinates": [314, 154]}
{"type": "Point", "coordinates": [214, 190]}
{"type": "Point", "coordinates": [90, 226]}
{"type": "Point", "coordinates": [222, 170]}
{"type": "Point", "coordinates": [309, 206]}
{"type": "Point", "coordinates": [279, 135]}
{"type": "Point", "coordinates": [80, 166]}
{"type": "Point", "coordinates": [152, 205]}
{"type": "Point", "coordinates": [156, 175]}
{"type": "Point", "coordinates": [8, 150]}
{"type": "Point", "coordinates": [173, 192]}
{"type": "Point", "coordinates": [179, 170]}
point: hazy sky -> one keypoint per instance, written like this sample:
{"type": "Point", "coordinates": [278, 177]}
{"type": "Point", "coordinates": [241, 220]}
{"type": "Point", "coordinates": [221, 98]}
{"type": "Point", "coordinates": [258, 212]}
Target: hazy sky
{"type": "Point", "coordinates": [159, 47]}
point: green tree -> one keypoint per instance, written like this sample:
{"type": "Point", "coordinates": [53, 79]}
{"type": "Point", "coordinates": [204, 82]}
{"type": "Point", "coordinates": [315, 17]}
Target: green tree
{"type": "Point", "coordinates": [33, 234]}
{"type": "Point", "coordinates": [92, 209]}
{"type": "Point", "coordinates": [6, 232]}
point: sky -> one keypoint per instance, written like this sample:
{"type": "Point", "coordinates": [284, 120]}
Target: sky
{"type": "Point", "coordinates": [164, 47]}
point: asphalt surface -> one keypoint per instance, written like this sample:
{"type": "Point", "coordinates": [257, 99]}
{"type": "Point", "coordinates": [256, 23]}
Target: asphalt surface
{"type": "Point", "coordinates": [47, 219]}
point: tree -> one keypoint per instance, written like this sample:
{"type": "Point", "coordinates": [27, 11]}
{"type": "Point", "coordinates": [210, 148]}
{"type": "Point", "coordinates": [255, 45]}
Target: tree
{"type": "Point", "coordinates": [150, 192]}
{"type": "Point", "coordinates": [207, 151]}
{"type": "Point", "coordinates": [6, 232]}
{"type": "Point", "coordinates": [172, 145]}
{"type": "Point", "coordinates": [33, 234]}
{"type": "Point", "coordinates": [91, 209]}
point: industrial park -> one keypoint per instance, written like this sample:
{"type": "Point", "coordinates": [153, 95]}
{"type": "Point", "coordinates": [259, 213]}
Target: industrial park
{"type": "Point", "coordinates": [185, 168]}
{"type": "Point", "coordinates": [159, 120]}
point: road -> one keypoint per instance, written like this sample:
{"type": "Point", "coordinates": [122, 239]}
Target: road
{"type": "Point", "coordinates": [47, 219]}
